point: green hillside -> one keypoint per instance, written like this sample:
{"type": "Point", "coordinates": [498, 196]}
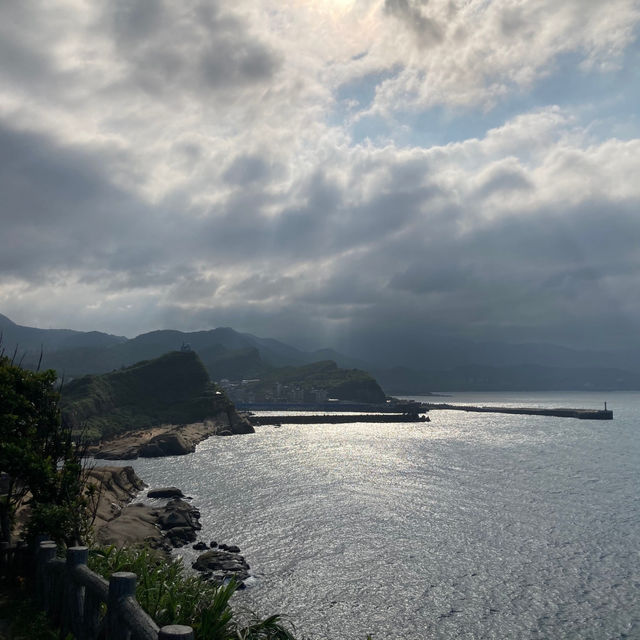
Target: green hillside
{"type": "Point", "coordinates": [172, 389]}
{"type": "Point", "coordinates": [344, 384]}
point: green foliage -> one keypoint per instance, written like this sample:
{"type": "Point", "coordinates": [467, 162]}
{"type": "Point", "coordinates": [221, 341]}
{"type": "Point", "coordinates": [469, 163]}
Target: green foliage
{"type": "Point", "coordinates": [41, 461]}
{"type": "Point", "coordinates": [344, 384]}
{"type": "Point", "coordinates": [170, 596]}
{"type": "Point", "coordinates": [25, 621]}
{"type": "Point", "coordinates": [172, 389]}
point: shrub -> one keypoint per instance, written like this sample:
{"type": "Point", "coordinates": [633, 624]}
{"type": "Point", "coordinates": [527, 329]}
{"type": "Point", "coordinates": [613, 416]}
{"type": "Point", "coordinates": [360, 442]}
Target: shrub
{"type": "Point", "coordinates": [171, 596]}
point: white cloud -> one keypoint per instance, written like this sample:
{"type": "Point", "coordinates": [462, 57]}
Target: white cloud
{"type": "Point", "coordinates": [173, 161]}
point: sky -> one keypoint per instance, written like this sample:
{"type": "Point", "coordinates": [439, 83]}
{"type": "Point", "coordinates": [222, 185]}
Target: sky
{"type": "Point", "coordinates": [323, 172]}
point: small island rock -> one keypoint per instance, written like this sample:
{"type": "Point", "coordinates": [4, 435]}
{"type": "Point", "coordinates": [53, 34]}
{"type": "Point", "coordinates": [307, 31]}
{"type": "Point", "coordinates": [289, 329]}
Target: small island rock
{"type": "Point", "coordinates": [165, 492]}
{"type": "Point", "coordinates": [222, 565]}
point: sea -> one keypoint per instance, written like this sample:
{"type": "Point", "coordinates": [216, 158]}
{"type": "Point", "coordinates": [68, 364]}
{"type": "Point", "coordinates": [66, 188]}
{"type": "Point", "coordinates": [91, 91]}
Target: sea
{"type": "Point", "coordinates": [471, 526]}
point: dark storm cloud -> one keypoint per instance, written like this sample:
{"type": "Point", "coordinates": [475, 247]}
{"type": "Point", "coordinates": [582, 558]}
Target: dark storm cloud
{"type": "Point", "coordinates": [59, 211]}
{"type": "Point", "coordinates": [193, 47]}
{"type": "Point", "coordinates": [427, 31]}
{"type": "Point", "coordinates": [324, 225]}
{"type": "Point", "coordinates": [247, 169]}
{"type": "Point", "coordinates": [421, 279]}
{"type": "Point", "coordinates": [21, 64]}
{"type": "Point", "coordinates": [263, 287]}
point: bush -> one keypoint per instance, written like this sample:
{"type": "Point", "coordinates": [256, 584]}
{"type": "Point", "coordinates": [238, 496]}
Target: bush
{"type": "Point", "coordinates": [40, 463]}
{"type": "Point", "coordinates": [171, 596]}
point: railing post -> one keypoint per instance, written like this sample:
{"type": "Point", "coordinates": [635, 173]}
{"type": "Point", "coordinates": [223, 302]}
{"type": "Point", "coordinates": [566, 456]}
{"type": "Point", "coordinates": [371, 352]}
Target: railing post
{"type": "Point", "coordinates": [4, 559]}
{"type": "Point", "coordinates": [121, 585]}
{"type": "Point", "coordinates": [74, 601]}
{"type": "Point", "coordinates": [44, 580]}
{"type": "Point", "coordinates": [91, 613]}
{"type": "Point", "coordinates": [175, 632]}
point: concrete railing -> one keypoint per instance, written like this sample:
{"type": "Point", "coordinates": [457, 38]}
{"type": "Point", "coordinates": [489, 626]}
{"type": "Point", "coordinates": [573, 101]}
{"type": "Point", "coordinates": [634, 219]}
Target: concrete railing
{"type": "Point", "coordinates": [74, 596]}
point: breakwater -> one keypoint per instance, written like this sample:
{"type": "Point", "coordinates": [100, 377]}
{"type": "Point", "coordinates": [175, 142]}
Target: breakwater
{"type": "Point", "coordinates": [583, 414]}
{"type": "Point", "coordinates": [405, 412]}
{"type": "Point", "coordinates": [344, 406]}
{"type": "Point", "coordinates": [336, 419]}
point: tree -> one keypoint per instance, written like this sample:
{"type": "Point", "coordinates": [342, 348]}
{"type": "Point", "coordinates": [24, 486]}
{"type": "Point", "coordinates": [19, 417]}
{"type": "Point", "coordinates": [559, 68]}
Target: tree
{"type": "Point", "coordinates": [40, 463]}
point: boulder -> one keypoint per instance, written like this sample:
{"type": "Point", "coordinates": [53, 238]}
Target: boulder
{"type": "Point", "coordinates": [222, 565]}
{"type": "Point", "coordinates": [179, 536]}
{"type": "Point", "coordinates": [230, 423]}
{"type": "Point", "coordinates": [135, 525]}
{"type": "Point", "coordinates": [166, 444]}
{"type": "Point", "coordinates": [165, 492]}
{"type": "Point", "coordinates": [200, 546]}
{"type": "Point", "coordinates": [178, 513]}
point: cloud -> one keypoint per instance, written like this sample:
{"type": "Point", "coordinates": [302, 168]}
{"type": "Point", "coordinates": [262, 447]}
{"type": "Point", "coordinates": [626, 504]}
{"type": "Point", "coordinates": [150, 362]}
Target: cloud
{"type": "Point", "coordinates": [168, 49]}
{"type": "Point", "coordinates": [482, 52]}
{"type": "Point", "coordinates": [427, 31]}
{"type": "Point", "coordinates": [177, 163]}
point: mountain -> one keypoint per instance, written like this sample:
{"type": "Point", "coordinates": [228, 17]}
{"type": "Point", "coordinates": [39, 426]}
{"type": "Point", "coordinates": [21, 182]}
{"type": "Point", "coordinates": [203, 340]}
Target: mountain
{"type": "Point", "coordinates": [26, 339]}
{"type": "Point", "coordinates": [434, 363]}
{"type": "Point", "coordinates": [172, 389]}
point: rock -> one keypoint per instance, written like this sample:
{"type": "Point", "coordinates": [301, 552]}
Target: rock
{"type": "Point", "coordinates": [117, 453]}
{"type": "Point", "coordinates": [178, 513]}
{"type": "Point", "coordinates": [200, 546]}
{"type": "Point", "coordinates": [135, 525]}
{"type": "Point", "coordinates": [165, 492]}
{"type": "Point", "coordinates": [213, 544]}
{"type": "Point", "coordinates": [179, 536]}
{"type": "Point", "coordinates": [240, 424]}
{"type": "Point", "coordinates": [232, 548]}
{"type": "Point", "coordinates": [117, 486]}
{"type": "Point", "coordinates": [173, 519]}
{"type": "Point", "coordinates": [230, 422]}
{"type": "Point", "coordinates": [222, 565]}
{"type": "Point", "coordinates": [166, 444]}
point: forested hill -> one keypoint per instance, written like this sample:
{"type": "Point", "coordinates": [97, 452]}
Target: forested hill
{"type": "Point", "coordinates": [172, 389]}
{"type": "Point", "coordinates": [344, 384]}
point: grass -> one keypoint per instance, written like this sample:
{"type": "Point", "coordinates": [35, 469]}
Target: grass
{"type": "Point", "coordinates": [19, 617]}
{"type": "Point", "coordinates": [171, 596]}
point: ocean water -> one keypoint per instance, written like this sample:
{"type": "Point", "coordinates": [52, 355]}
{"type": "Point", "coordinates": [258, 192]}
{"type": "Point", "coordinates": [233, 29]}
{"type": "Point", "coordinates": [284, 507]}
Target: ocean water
{"type": "Point", "coordinates": [470, 526]}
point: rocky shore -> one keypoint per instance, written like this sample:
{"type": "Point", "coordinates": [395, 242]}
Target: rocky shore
{"type": "Point", "coordinates": [170, 522]}
{"type": "Point", "coordinates": [170, 440]}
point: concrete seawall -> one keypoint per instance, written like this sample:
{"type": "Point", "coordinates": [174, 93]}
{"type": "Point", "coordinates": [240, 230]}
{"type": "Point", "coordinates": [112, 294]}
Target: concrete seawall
{"type": "Point", "coordinates": [336, 419]}
{"type": "Point", "coordinates": [582, 414]}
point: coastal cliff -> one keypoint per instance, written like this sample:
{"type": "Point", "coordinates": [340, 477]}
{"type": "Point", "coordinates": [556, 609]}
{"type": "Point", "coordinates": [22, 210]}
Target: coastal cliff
{"type": "Point", "coordinates": [122, 523]}
{"type": "Point", "coordinates": [169, 392]}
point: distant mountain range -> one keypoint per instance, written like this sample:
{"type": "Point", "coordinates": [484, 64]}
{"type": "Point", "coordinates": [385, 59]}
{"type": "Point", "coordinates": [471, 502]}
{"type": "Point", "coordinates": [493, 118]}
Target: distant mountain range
{"type": "Point", "coordinates": [437, 364]}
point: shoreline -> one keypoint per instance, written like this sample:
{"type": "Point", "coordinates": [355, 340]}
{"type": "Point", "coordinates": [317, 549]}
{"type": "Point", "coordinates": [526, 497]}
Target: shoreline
{"type": "Point", "coordinates": [170, 524]}
{"type": "Point", "coordinates": [168, 439]}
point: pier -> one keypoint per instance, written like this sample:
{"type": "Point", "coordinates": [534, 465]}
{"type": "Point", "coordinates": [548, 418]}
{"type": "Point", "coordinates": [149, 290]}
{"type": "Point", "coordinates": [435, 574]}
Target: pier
{"type": "Point", "coordinates": [336, 419]}
{"type": "Point", "coordinates": [401, 412]}
{"type": "Point", "coordinates": [582, 414]}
